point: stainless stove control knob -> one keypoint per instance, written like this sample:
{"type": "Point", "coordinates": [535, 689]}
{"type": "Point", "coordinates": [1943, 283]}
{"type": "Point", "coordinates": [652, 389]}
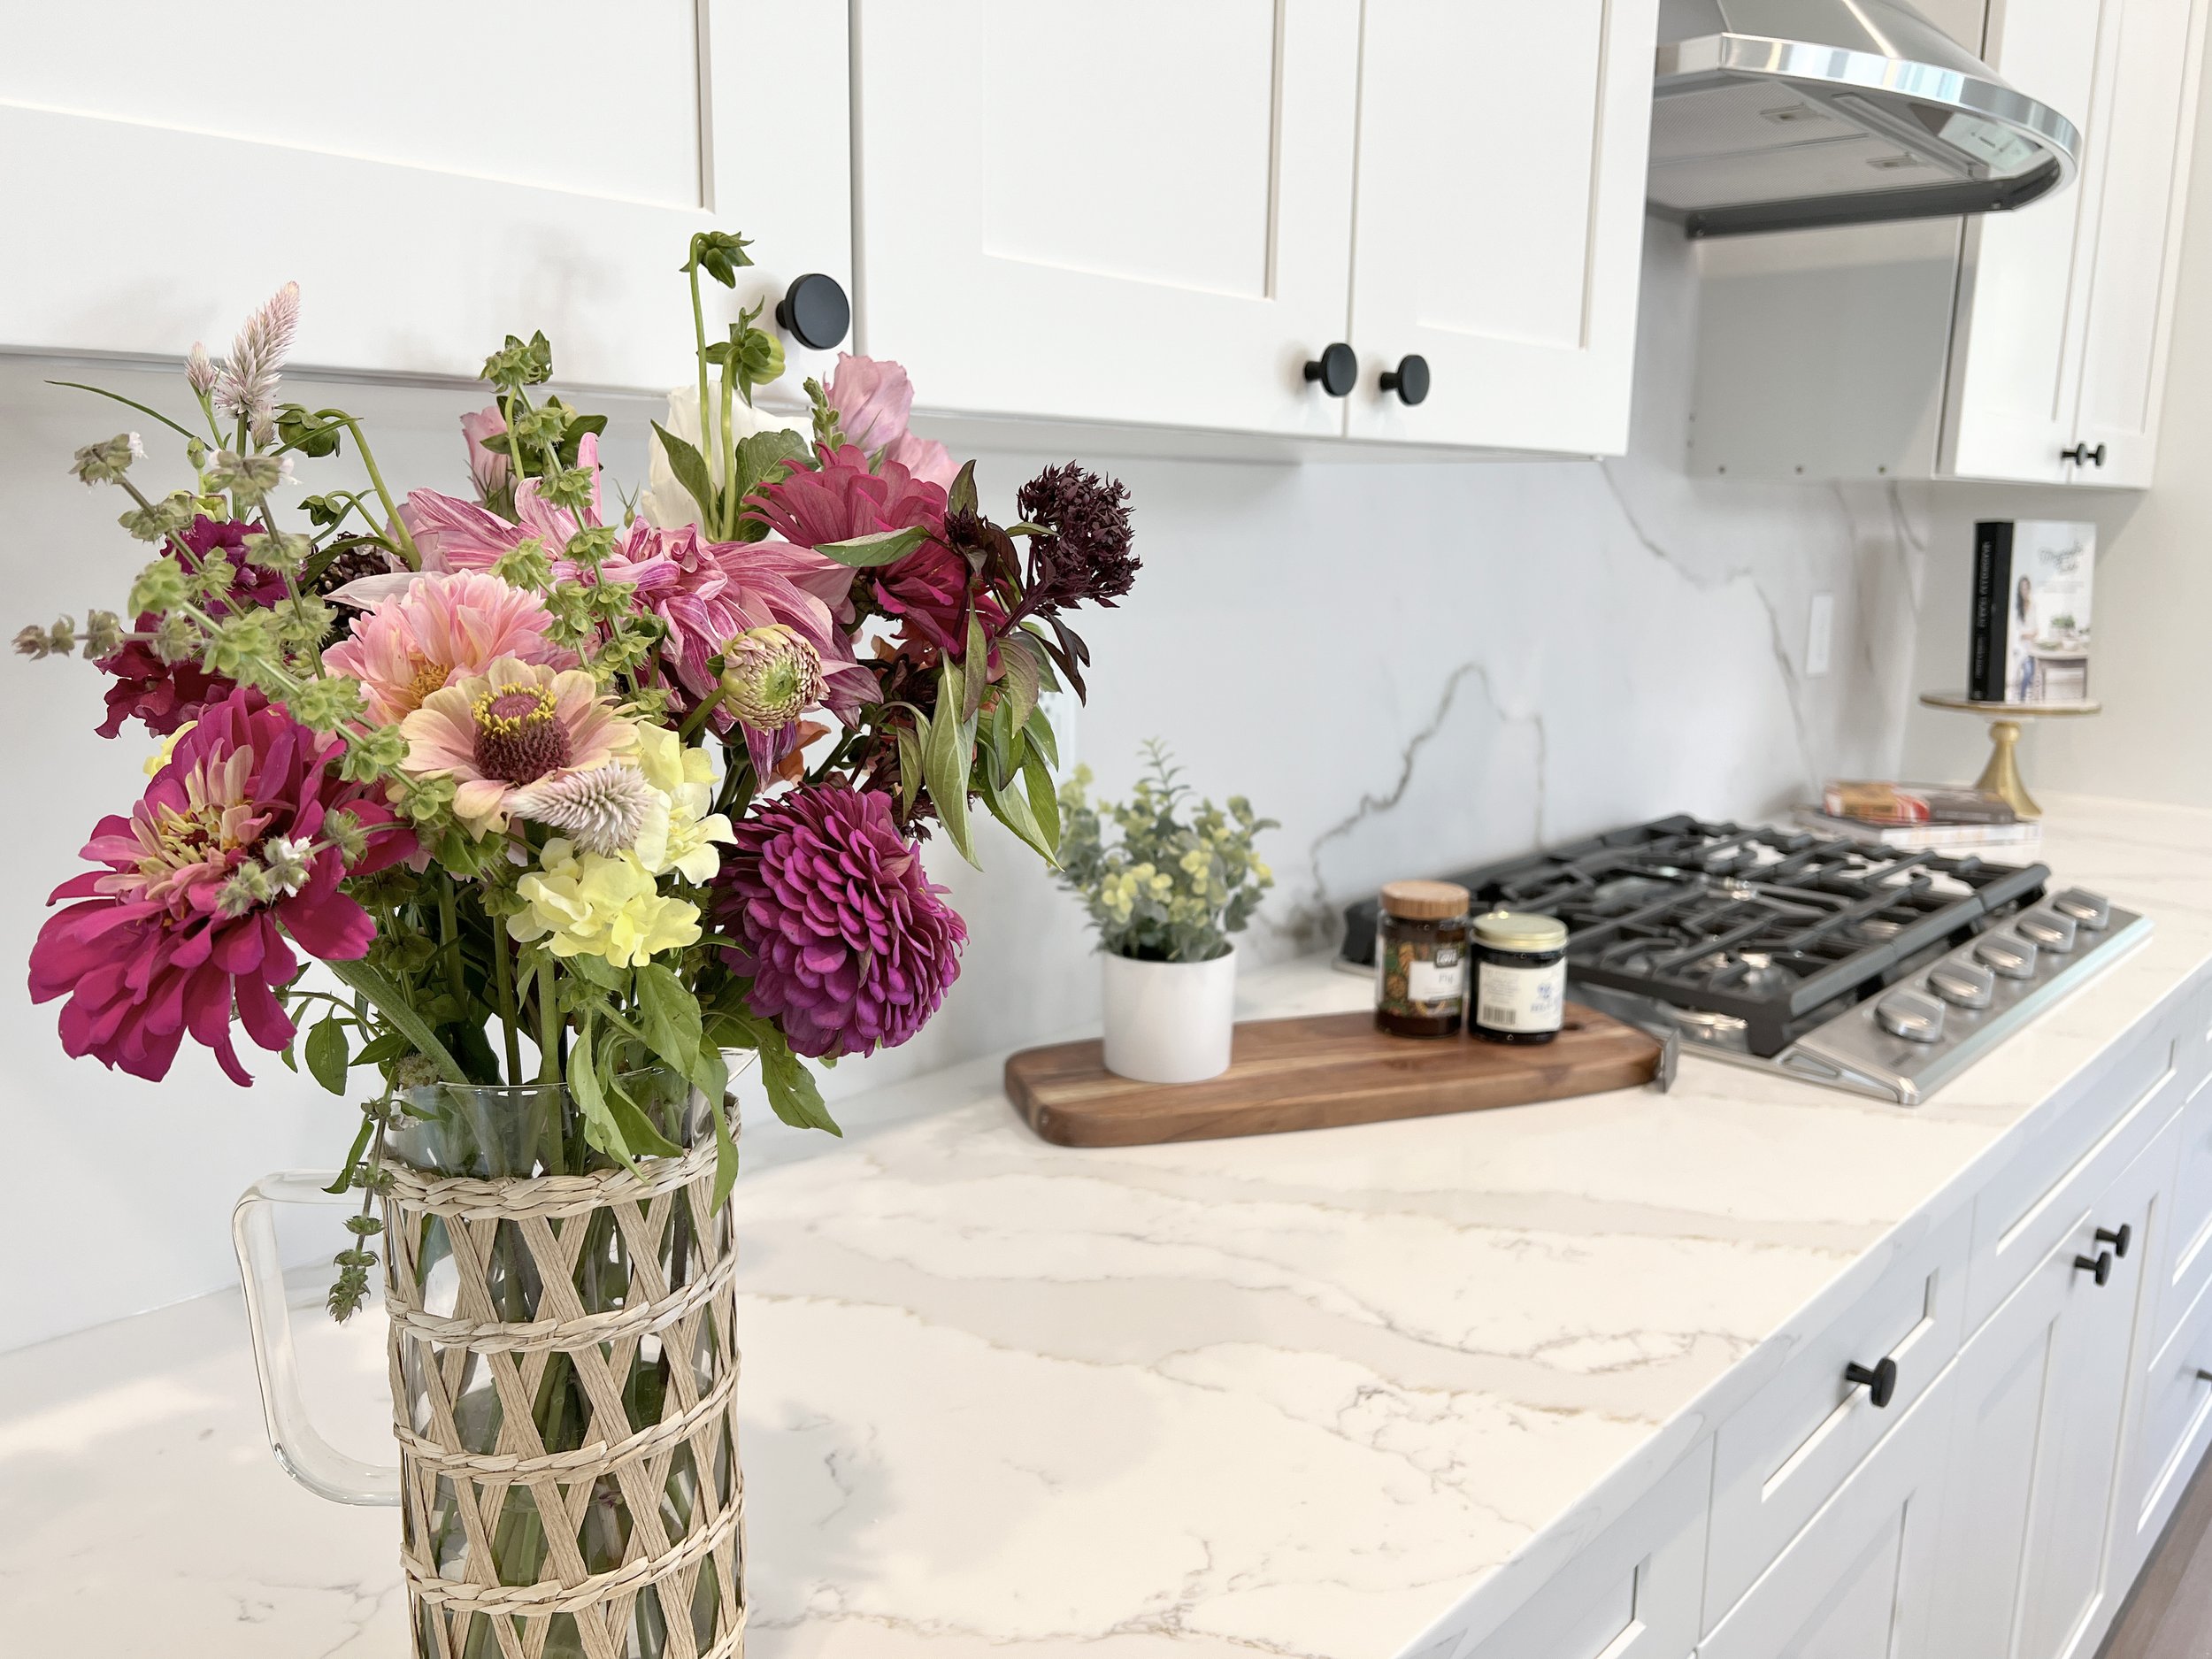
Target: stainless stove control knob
{"type": "Point", "coordinates": [2047, 930]}
{"type": "Point", "coordinates": [1913, 1015]}
{"type": "Point", "coordinates": [2090, 911]}
{"type": "Point", "coordinates": [1963, 984]}
{"type": "Point", "coordinates": [2008, 955]}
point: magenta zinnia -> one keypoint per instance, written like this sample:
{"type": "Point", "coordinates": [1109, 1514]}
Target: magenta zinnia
{"type": "Point", "coordinates": [225, 855]}
{"type": "Point", "coordinates": [163, 694]}
{"type": "Point", "coordinates": [849, 946]}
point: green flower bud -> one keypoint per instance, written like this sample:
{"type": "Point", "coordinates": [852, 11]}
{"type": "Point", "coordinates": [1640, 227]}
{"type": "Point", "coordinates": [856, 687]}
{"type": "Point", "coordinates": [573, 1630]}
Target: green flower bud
{"type": "Point", "coordinates": [373, 753]}
{"type": "Point", "coordinates": [283, 551]}
{"type": "Point", "coordinates": [164, 517]}
{"type": "Point", "coordinates": [326, 702]}
{"type": "Point", "coordinates": [346, 835]}
{"type": "Point", "coordinates": [105, 462]}
{"type": "Point", "coordinates": [526, 566]}
{"type": "Point", "coordinates": [247, 477]}
{"type": "Point", "coordinates": [103, 634]}
{"type": "Point", "coordinates": [770, 676]}
{"type": "Point", "coordinates": [161, 586]}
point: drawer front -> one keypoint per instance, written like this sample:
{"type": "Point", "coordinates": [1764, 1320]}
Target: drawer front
{"type": "Point", "coordinates": [1784, 1452]}
{"type": "Point", "coordinates": [1634, 1592]}
{"type": "Point", "coordinates": [2030, 1204]}
{"type": "Point", "coordinates": [1855, 1583]}
{"type": "Point", "coordinates": [2188, 1242]}
{"type": "Point", "coordinates": [2172, 1430]}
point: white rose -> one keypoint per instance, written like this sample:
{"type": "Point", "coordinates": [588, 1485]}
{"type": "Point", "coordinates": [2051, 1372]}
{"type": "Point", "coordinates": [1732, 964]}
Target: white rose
{"type": "Point", "coordinates": [668, 505]}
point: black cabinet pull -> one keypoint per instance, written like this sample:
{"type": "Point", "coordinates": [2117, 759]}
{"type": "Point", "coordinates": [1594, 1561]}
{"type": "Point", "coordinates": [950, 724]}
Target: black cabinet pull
{"type": "Point", "coordinates": [2082, 455]}
{"type": "Point", "coordinates": [2118, 1241]}
{"type": "Point", "coordinates": [1409, 379]}
{"type": "Point", "coordinates": [1337, 369]}
{"type": "Point", "coordinates": [815, 312]}
{"type": "Point", "coordinates": [2100, 1265]}
{"type": "Point", "coordinates": [1881, 1381]}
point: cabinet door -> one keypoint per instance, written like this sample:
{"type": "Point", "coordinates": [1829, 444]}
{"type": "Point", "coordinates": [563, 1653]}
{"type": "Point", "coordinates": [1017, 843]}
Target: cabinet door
{"type": "Point", "coordinates": [1854, 1584]}
{"type": "Point", "coordinates": [2036, 1440]}
{"type": "Point", "coordinates": [2147, 142]}
{"type": "Point", "coordinates": [1500, 230]}
{"type": "Point", "coordinates": [2024, 284]}
{"type": "Point", "coordinates": [1130, 212]}
{"type": "Point", "coordinates": [403, 170]}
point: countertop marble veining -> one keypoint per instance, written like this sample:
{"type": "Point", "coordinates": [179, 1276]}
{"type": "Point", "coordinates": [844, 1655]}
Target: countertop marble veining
{"type": "Point", "coordinates": [1299, 1394]}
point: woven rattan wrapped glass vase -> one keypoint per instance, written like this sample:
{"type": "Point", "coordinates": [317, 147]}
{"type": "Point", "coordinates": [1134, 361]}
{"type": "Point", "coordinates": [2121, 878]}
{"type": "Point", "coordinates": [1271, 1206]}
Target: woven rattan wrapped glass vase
{"type": "Point", "coordinates": [563, 1380]}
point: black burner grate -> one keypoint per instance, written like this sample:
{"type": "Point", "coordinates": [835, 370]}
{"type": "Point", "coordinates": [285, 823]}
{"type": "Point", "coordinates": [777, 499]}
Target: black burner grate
{"type": "Point", "coordinates": [1770, 926]}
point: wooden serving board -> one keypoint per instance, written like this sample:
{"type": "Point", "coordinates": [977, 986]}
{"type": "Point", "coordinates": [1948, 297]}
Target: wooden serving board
{"type": "Point", "coordinates": [1320, 1071]}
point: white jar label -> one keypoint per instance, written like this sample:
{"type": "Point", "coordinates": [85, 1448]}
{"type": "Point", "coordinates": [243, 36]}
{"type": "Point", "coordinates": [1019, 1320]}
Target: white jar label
{"type": "Point", "coordinates": [1442, 979]}
{"type": "Point", "coordinates": [1520, 999]}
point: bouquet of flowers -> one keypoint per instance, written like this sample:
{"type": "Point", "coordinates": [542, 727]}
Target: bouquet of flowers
{"type": "Point", "coordinates": [558, 791]}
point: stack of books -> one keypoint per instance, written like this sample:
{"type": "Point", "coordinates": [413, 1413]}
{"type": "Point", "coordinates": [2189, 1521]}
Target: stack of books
{"type": "Point", "coordinates": [1918, 817]}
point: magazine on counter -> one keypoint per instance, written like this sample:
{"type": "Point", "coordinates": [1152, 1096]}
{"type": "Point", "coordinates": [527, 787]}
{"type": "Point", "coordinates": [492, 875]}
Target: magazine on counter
{"type": "Point", "coordinates": [2031, 610]}
{"type": "Point", "coordinates": [1949, 838]}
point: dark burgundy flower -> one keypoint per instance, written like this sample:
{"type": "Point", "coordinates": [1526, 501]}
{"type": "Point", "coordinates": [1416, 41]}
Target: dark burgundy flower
{"type": "Point", "coordinates": [1085, 555]}
{"type": "Point", "coordinates": [848, 943]}
{"type": "Point", "coordinates": [224, 860]}
{"type": "Point", "coordinates": [165, 695]}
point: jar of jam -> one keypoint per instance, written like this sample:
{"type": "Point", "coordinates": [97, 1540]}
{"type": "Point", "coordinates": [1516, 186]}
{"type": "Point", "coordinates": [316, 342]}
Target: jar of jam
{"type": "Point", "coordinates": [1520, 991]}
{"type": "Point", "coordinates": [1421, 958]}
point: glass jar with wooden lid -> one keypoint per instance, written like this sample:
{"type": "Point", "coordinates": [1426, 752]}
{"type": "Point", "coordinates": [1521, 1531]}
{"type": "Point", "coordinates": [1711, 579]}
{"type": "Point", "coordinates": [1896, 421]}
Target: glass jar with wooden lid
{"type": "Point", "coordinates": [1520, 990]}
{"type": "Point", "coordinates": [1421, 958]}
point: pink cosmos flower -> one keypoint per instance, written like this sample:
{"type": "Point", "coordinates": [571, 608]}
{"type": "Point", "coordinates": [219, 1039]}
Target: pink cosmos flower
{"type": "Point", "coordinates": [872, 398]}
{"type": "Point", "coordinates": [488, 470]}
{"type": "Point", "coordinates": [515, 725]}
{"type": "Point", "coordinates": [444, 628]}
{"type": "Point", "coordinates": [159, 943]}
{"type": "Point", "coordinates": [453, 534]}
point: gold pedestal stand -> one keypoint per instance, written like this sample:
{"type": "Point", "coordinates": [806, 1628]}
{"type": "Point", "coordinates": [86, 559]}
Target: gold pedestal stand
{"type": "Point", "coordinates": [2001, 777]}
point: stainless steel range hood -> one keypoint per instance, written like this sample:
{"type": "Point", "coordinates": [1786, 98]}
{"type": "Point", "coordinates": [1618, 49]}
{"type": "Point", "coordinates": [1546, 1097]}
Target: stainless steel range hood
{"type": "Point", "coordinates": [1782, 114]}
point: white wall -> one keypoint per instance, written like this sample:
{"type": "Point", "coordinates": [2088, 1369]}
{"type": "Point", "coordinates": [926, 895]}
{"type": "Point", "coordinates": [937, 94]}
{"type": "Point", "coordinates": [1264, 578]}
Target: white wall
{"type": "Point", "coordinates": [1413, 666]}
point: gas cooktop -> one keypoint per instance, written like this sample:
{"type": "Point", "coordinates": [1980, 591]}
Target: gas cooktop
{"type": "Point", "coordinates": [1863, 967]}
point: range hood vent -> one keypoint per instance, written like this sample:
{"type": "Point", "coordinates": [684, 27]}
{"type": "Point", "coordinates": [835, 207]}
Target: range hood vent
{"type": "Point", "coordinates": [1785, 114]}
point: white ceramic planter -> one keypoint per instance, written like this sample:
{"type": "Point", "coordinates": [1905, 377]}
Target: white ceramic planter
{"type": "Point", "coordinates": [1169, 1022]}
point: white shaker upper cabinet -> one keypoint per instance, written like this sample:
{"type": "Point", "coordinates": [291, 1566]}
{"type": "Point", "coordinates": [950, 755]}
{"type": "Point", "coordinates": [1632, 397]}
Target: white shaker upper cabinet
{"type": "Point", "coordinates": [1500, 221]}
{"type": "Point", "coordinates": [1129, 212]}
{"type": "Point", "coordinates": [432, 175]}
{"type": "Point", "coordinates": [2064, 305]}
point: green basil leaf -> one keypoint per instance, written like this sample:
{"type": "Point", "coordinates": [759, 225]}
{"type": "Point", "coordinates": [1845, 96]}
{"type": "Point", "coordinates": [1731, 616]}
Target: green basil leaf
{"type": "Point", "coordinates": [975, 666]}
{"type": "Point", "coordinates": [725, 1153]}
{"type": "Point", "coordinates": [762, 454]}
{"type": "Point", "coordinates": [690, 466]}
{"type": "Point", "coordinates": [962, 497]}
{"type": "Point", "coordinates": [637, 1128]}
{"type": "Point", "coordinates": [1044, 801]}
{"type": "Point", "coordinates": [669, 1016]}
{"type": "Point", "coordinates": [1041, 741]}
{"type": "Point", "coordinates": [1023, 675]}
{"type": "Point", "coordinates": [1012, 810]}
{"type": "Point", "coordinates": [868, 552]}
{"type": "Point", "coordinates": [911, 745]}
{"type": "Point", "coordinates": [600, 1127]}
{"type": "Point", "coordinates": [946, 760]}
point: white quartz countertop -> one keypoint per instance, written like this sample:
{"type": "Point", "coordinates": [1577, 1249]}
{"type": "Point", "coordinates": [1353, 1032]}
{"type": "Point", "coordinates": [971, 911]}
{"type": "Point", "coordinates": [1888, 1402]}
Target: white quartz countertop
{"type": "Point", "coordinates": [1293, 1394]}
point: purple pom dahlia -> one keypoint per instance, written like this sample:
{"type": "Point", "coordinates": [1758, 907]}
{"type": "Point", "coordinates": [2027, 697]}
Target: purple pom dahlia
{"type": "Point", "coordinates": [847, 942]}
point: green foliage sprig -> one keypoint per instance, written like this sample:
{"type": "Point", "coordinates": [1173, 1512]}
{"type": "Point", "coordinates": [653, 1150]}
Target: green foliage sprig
{"type": "Point", "coordinates": [1179, 882]}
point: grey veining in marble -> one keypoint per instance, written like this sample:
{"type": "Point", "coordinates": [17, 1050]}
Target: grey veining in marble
{"type": "Point", "coordinates": [1299, 1394]}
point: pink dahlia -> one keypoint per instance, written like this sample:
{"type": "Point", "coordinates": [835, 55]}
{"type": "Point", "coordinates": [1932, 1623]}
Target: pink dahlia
{"type": "Point", "coordinates": [873, 399]}
{"type": "Point", "coordinates": [444, 628]}
{"type": "Point", "coordinates": [163, 694]}
{"type": "Point", "coordinates": [171, 937]}
{"type": "Point", "coordinates": [453, 534]}
{"type": "Point", "coordinates": [515, 725]}
{"type": "Point", "coordinates": [844, 499]}
{"type": "Point", "coordinates": [849, 946]}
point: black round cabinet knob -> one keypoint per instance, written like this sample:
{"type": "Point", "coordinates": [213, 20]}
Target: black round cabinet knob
{"type": "Point", "coordinates": [814, 312]}
{"type": "Point", "coordinates": [1409, 379]}
{"type": "Point", "coordinates": [1337, 369]}
{"type": "Point", "coordinates": [2082, 455]}
{"type": "Point", "coordinates": [2119, 1241]}
{"type": "Point", "coordinates": [2098, 1266]}
{"type": "Point", "coordinates": [1880, 1381]}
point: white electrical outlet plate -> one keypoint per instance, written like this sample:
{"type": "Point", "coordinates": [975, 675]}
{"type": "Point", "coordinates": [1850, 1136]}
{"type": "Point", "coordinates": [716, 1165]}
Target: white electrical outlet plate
{"type": "Point", "coordinates": [1820, 630]}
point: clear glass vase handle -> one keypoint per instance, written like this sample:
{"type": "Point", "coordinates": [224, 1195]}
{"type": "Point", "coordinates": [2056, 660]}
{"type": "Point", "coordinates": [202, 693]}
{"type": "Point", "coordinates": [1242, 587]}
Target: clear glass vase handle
{"type": "Point", "coordinates": [301, 1450]}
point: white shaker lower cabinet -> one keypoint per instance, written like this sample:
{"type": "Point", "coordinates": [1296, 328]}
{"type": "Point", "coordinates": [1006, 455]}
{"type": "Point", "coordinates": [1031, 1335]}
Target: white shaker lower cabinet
{"type": "Point", "coordinates": [1499, 225]}
{"type": "Point", "coordinates": [2035, 1442]}
{"type": "Point", "coordinates": [1856, 1582]}
{"type": "Point", "coordinates": [1136, 212]}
